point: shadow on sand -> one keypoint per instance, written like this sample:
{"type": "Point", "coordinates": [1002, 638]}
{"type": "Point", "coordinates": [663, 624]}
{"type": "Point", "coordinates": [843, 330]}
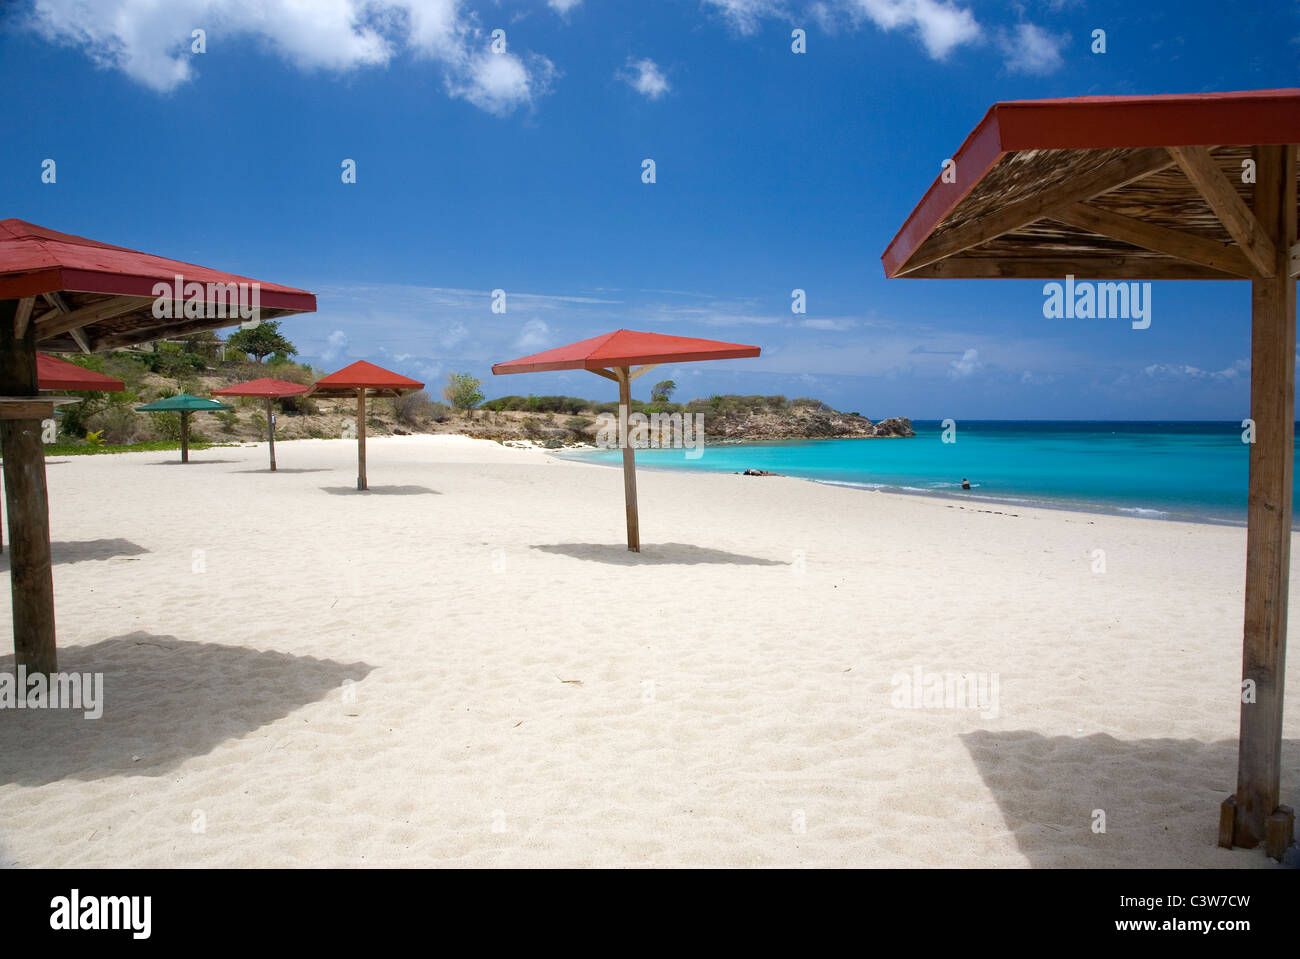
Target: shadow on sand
{"type": "Point", "coordinates": [1160, 796]}
{"type": "Point", "coordinates": [84, 550]}
{"type": "Point", "coordinates": [192, 462]}
{"type": "Point", "coordinates": [165, 700]}
{"type": "Point", "coordinates": [655, 554]}
{"type": "Point", "coordinates": [380, 491]}
{"type": "Point", "coordinates": [288, 469]}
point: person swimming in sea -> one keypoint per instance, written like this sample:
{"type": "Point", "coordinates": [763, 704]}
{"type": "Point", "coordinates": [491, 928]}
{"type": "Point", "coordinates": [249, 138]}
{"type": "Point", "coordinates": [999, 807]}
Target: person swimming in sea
{"type": "Point", "coordinates": [965, 483]}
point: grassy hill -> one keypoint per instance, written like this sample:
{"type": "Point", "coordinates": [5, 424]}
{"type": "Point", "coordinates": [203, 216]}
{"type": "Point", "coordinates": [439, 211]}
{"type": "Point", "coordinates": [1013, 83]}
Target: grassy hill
{"type": "Point", "coordinates": [111, 419]}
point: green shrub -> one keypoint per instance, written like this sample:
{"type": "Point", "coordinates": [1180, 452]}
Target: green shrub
{"type": "Point", "coordinates": [118, 424]}
{"type": "Point", "coordinates": [166, 425]}
{"type": "Point", "coordinates": [412, 408]}
{"type": "Point", "coordinates": [299, 405]}
{"type": "Point", "coordinates": [170, 359]}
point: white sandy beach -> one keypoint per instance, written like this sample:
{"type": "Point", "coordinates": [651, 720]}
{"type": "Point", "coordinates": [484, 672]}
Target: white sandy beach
{"type": "Point", "coordinates": [465, 667]}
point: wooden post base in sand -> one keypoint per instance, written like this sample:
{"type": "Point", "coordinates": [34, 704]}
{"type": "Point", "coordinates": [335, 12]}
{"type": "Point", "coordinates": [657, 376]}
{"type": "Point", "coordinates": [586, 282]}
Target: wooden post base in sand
{"type": "Point", "coordinates": [26, 496]}
{"type": "Point", "coordinates": [1254, 815]}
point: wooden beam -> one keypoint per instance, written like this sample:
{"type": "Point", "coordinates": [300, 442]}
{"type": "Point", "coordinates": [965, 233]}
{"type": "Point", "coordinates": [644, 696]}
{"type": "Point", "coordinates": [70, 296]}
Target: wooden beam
{"type": "Point", "coordinates": [629, 460]}
{"type": "Point", "coordinates": [1110, 267]}
{"type": "Point", "coordinates": [607, 374]}
{"type": "Point", "coordinates": [27, 503]}
{"type": "Point", "coordinates": [23, 314]}
{"type": "Point", "coordinates": [1005, 219]}
{"type": "Point", "coordinates": [65, 321]}
{"type": "Point", "coordinates": [162, 329]}
{"type": "Point", "coordinates": [81, 340]}
{"type": "Point", "coordinates": [642, 370]}
{"type": "Point", "coordinates": [185, 436]}
{"type": "Point", "coordinates": [1217, 190]}
{"type": "Point", "coordinates": [362, 482]}
{"type": "Point", "coordinates": [270, 429]}
{"type": "Point", "coordinates": [1256, 813]}
{"type": "Point", "coordinates": [56, 300]}
{"type": "Point", "coordinates": [1294, 270]}
{"type": "Point", "coordinates": [26, 407]}
{"type": "Point", "coordinates": [1184, 246]}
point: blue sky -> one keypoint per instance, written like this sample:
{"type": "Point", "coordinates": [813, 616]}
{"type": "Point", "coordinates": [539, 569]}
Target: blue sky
{"type": "Point", "coordinates": [522, 171]}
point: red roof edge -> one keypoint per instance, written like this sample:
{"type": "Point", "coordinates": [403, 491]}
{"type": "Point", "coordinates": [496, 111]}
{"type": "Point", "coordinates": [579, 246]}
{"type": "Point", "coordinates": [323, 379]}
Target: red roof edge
{"type": "Point", "coordinates": [981, 149]}
{"type": "Point", "coordinates": [265, 386]}
{"type": "Point", "coordinates": [53, 373]}
{"type": "Point", "coordinates": [607, 362]}
{"type": "Point", "coordinates": [1249, 117]}
{"type": "Point", "coordinates": [363, 375]}
{"type": "Point", "coordinates": [57, 280]}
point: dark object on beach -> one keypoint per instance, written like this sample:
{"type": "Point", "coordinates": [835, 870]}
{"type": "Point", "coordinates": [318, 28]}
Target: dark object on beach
{"type": "Point", "coordinates": [752, 472]}
{"type": "Point", "coordinates": [965, 483]}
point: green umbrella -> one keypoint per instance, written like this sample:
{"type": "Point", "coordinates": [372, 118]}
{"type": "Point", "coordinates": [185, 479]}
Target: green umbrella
{"type": "Point", "coordinates": [184, 404]}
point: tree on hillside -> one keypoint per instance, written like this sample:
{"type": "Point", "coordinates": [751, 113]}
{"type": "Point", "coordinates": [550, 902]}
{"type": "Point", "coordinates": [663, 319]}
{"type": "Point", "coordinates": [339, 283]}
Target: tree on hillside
{"type": "Point", "coordinates": [462, 391]}
{"type": "Point", "coordinates": [204, 344]}
{"type": "Point", "coordinates": [262, 341]}
{"type": "Point", "coordinates": [662, 391]}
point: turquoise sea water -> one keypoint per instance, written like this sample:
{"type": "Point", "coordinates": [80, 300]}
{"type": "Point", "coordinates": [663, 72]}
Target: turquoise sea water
{"type": "Point", "coordinates": [1177, 470]}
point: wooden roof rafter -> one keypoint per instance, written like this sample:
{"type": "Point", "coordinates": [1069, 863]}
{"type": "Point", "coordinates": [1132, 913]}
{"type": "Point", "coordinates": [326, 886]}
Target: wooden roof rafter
{"type": "Point", "coordinates": [1231, 210]}
{"type": "Point", "coordinates": [1034, 181]}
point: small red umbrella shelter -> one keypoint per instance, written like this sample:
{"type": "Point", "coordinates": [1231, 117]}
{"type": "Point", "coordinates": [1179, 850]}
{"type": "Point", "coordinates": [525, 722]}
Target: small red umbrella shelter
{"type": "Point", "coordinates": [66, 293]}
{"type": "Point", "coordinates": [55, 376]}
{"type": "Point", "coordinates": [1185, 187]}
{"type": "Point", "coordinates": [612, 356]}
{"type": "Point", "coordinates": [269, 389]}
{"type": "Point", "coordinates": [358, 379]}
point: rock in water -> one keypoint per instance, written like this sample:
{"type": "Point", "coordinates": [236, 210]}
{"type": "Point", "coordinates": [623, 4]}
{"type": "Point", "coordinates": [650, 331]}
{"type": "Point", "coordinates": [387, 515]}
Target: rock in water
{"type": "Point", "coordinates": [895, 426]}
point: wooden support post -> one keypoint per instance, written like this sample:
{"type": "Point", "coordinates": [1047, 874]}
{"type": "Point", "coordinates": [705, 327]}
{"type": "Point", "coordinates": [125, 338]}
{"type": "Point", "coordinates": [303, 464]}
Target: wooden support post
{"type": "Point", "coordinates": [27, 502]}
{"type": "Point", "coordinates": [361, 440]}
{"type": "Point", "coordinates": [1255, 812]}
{"type": "Point", "coordinates": [270, 429]}
{"type": "Point", "coordinates": [629, 459]}
{"type": "Point", "coordinates": [185, 436]}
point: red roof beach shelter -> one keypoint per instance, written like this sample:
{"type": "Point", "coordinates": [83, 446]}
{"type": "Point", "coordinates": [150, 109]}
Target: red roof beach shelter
{"type": "Point", "coordinates": [54, 375]}
{"type": "Point", "coordinates": [1186, 187]}
{"type": "Point", "coordinates": [612, 355]}
{"type": "Point", "coordinates": [269, 389]}
{"type": "Point", "coordinates": [66, 293]}
{"type": "Point", "coordinates": [359, 379]}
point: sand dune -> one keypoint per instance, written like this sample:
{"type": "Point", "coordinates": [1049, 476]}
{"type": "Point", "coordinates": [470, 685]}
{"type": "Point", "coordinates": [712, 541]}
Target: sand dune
{"type": "Point", "coordinates": [465, 667]}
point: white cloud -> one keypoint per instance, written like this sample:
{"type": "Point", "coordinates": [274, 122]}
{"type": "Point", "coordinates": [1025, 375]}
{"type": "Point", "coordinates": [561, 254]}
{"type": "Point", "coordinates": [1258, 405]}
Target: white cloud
{"type": "Point", "coordinates": [1033, 50]}
{"type": "Point", "coordinates": [500, 82]}
{"type": "Point", "coordinates": [968, 365]}
{"type": "Point", "coordinates": [534, 336]}
{"type": "Point", "coordinates": [150, 41]}
{"type": "Point", "coordinates": [454, 335]}
{"type": "Point", "coordinates": [745, 15]}
{"type": "Point", "coordinates": [1184, 371]}
{"type": "Point", "coordinates": [336, 344]}
{"type": "Point", "coordinates": [645, 77]}
{"type": "Point", "coordinates": [562, 6]}
{"type": "Point", "coordinates": [828, 324]}
{"type": "Point", "coordinates": [941, 25]}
